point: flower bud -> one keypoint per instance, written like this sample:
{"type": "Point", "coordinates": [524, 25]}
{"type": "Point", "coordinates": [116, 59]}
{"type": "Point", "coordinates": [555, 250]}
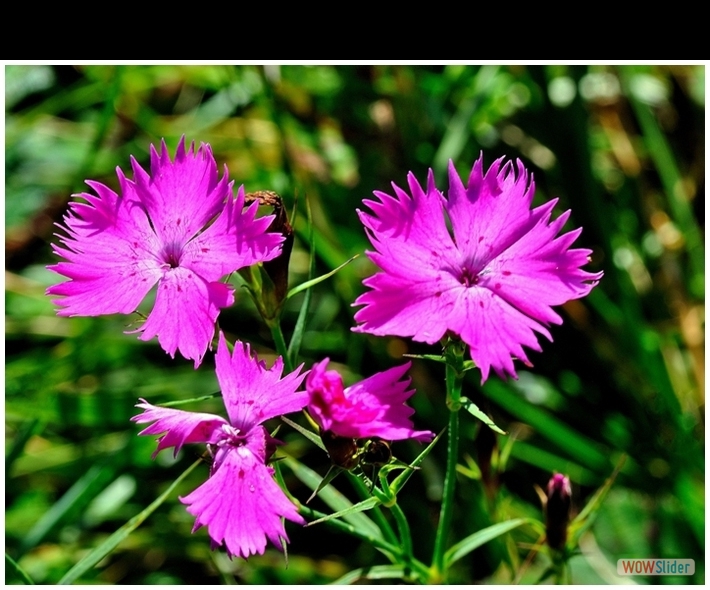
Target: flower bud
{"type": "Point", "coordinates": [559, 499]}
{"type": "Point", "coordinates": [271, 286]}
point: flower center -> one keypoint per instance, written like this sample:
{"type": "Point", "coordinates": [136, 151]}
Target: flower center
{"type": "Point", "coordinates": [468, 278]}
{"type": "Point", "coordinates": [231, 437]}
{"type": "Point", "coordinates": [171, 254]}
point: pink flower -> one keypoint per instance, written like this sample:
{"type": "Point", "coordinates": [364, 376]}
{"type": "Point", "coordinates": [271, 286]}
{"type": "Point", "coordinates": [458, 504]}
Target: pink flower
{"type": "Point", "coordinates": [374, 407]}
{"type": "Point", "coordinates": [179, 227]}
{"type": "Point", "coordinates": [491, 279]}
{"type": "Point", "coordinates": [240, 504]}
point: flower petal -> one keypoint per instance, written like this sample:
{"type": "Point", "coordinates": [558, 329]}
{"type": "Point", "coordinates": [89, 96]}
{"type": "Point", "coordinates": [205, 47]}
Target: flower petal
{"type": "Point", "coordinates": [490, 213]}
{"type": "Point", "coordinates": [241, 504]}
{"type": "Point", "coordinates": [236, 239]}
{"type": "Point", "coordinates": [110, 254]}
{"type": "Point", "coordinates": [181, 196]}
{"type": "Point", "coordinates": [540, 270]}
{"type": "Point", "coordinates": [495, 331]}
{"type": "Point", "coordinates": [374, 407]}
{"type": "Point", "coordinates": [185, 311]}
{"type": "Point", "coordinates": [398, 307]}
{"type": "Point", "coordinates": [180, 427]}
{"type": "Point", "coordinates": [390, 390]}
{"type": "Point", "coordinates": [252, 393]}
{"type": "Point", "coordinates": [410, 233]}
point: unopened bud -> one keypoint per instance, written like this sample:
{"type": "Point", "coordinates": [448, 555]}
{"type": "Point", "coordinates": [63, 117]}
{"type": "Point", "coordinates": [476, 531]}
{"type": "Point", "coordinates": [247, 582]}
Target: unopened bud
{"type": "Point", "coordinates": [559, 501]}
{"type": "Point", "coordinates": [274, 276]}
{"type": "Point", "coordinates": [277, 268]}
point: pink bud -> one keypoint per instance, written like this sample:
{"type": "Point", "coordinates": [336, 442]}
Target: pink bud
{"type": "Point", "coordinates": [559, 499]}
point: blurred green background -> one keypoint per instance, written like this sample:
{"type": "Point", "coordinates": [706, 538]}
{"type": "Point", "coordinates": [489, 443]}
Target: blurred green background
{"type": "Point", "coordinates": [622, 146]}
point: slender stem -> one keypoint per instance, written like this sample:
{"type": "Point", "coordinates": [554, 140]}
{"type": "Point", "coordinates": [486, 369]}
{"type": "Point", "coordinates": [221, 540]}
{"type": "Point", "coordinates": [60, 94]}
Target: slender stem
{"type": "Point", "coordinates": [454, 382]}
{"type": "Point", "coordinates": [447, 501]}
{"type": "Point", "coordinates": [376, 512]}
{"type": "Point", "coordinates": [393, 551]}
{"type": "Point", "coordinates": [280, 343]}
{"type": "Point", "coordinates": [561, 570]}
{"type": "Point", "coordinates": [404, 533]}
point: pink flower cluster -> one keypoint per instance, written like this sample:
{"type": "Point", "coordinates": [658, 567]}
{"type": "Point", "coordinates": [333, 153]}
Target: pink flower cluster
{"type": "Point", "coordinates": [180, 228]}
{"type": "Point", "coordinates": [491, 280]}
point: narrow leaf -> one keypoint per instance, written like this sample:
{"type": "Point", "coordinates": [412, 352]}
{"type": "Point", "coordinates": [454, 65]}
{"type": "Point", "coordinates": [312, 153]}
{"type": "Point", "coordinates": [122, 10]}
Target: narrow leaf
{"type": "Point", "coordinates": [332, 497]}
{"type": "Point", "coordinates": [586, 517]}
{"type": "Point", "coordinates": [359, 507]}
{"type": "Point", "coordinates": [26, 432]}
{"type": "Point", "coordinates": [310, 435]}
{"type": "Point", "coordinates": [391, 551]}
{"type": "Point", "coordinates": [427, 357]}
{"type": "Point", "coordinates": [438, 358]}
{"type": "Point", "coordinates": [376, 572]}
{"type": "Point", "coordinates": [12, 567]}
{"type": "Point", "coordinates": [402, 478]}
{"type": "Point", "coordinates": [112, 542]}
{"type": "Point", "coordinates": [333, 472]}
{"type": "Point", "coordinates": [182, 402]}
{"type": "Point", "coordinates": [294, 346]}
{"type": "Point", "coordinates": [474, 541]}
{"type": "Point", "coordinates": [79, 495]}
{"type": "Point", "coordinates": [320, 279]}
{"type": "Point", "coordinates": [476, 412]}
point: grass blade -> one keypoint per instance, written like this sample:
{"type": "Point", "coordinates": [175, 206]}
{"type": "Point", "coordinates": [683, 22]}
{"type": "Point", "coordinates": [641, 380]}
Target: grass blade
{"type": "Point", "coordinates": [112, 542]}
{"type": "Point", "coordinates": [14, 571]}
{"type": "Point", "coordinates": [320, 279]}
{"type": "Point", "coordinates": [77, 497]}
{"type": "Point", "coordinates": [376, 572]}
{"type": "Point", "coordinates": [332, 497]}
{"type": "Point", "coordinates": [474, 541]}
{"type": "Point", "coordinates": [402, 478]}
{"type": "Point", "coordinates": [294, 346]}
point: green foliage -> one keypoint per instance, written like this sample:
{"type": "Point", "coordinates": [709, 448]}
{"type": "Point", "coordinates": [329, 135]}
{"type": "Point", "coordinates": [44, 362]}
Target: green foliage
{"type": "Point", "coordinates": [621, 146]}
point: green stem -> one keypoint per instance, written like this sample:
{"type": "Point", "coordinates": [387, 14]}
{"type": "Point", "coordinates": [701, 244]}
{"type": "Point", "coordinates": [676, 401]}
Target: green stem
{"type": "Point", "coordinates": [376, 512]}
{"type": "Point", "coordinates": [454, 383]}
{"type": "Point", "coordinates": [561, 575]}
{"type": "Point", "coordinates": [404, 533]}
{"type": "Point", "coordinates": [280, 343]}
{"type": "Point", "coordinates": [393, 551]}
{"type": "Point", "coordinates": [447, 501]}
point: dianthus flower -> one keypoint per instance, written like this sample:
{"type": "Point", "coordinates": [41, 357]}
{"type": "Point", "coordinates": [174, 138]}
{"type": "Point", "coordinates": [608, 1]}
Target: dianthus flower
{"type": "Point", "coordinates": [491, 280]}
{"type": "Point", "coordinates": [373, 407]}
{"type": "Point", "coordinates": [179, 227]}
{"type": "Point", "coordinates": [240, 504]}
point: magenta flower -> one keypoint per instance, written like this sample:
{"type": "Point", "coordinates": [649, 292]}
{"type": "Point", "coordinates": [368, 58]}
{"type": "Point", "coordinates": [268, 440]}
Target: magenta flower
{"type": "Point", "coordinates": [179, 227]}
{"type": "Point", "coordinates": [240, 504]}
{"type": "Point", "coordinates": [491, 280]}
{"type": "Point", "coordinates": [374, 407]}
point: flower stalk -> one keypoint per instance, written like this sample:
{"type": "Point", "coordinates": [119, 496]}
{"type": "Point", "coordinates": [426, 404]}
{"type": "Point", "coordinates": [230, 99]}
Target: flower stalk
{"type": "Point", "coordinates": [454, 354]}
